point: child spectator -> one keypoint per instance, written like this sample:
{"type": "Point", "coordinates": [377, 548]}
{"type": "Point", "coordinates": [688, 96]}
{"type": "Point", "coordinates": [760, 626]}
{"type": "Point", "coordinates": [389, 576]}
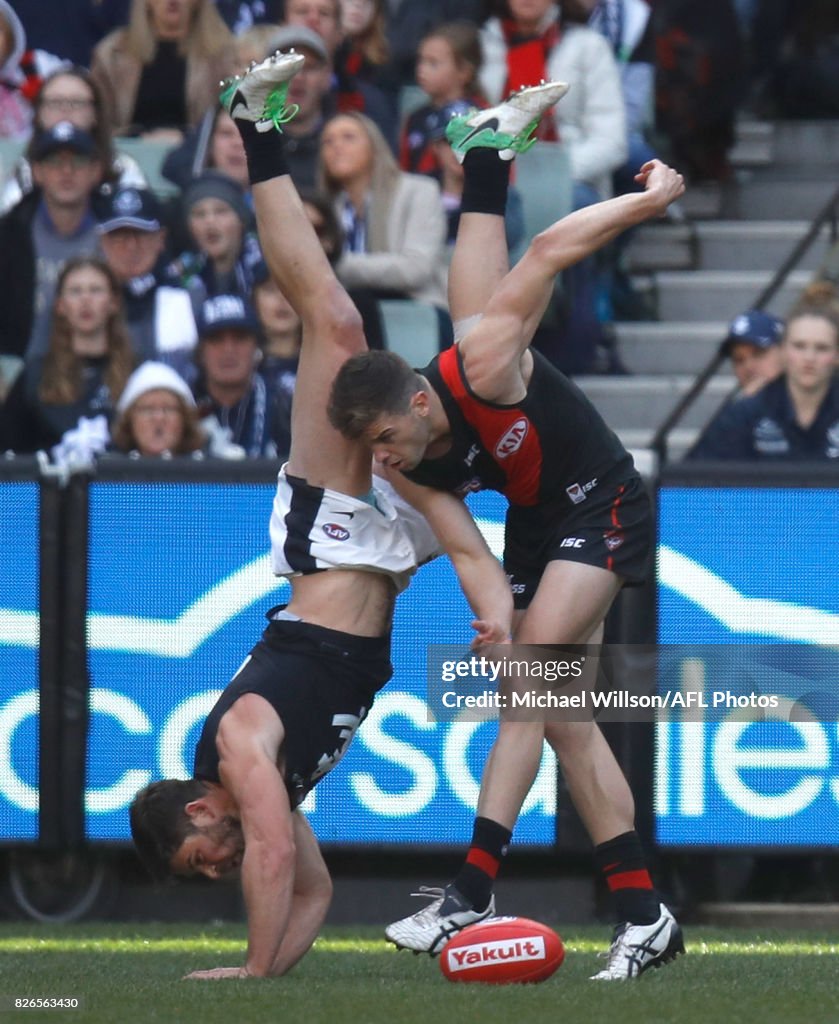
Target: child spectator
{"type": "Point", "coordinates": [753, 347]}
{"type": "Point", "coordinates": [225, 250]}
{"type": "Point", "coordinates": [281, 329]}
{"type": "Point", "coordinates": [448, 61]}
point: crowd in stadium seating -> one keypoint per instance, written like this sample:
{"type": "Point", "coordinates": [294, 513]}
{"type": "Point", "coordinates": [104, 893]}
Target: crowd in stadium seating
{"type": "Point", "coordinates": [134, 295]}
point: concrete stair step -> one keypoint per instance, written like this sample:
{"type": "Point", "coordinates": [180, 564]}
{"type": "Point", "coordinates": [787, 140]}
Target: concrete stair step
{"type": "Point", "coordinates": [776, 195]}
{"type": "Point", "coordinates": [643, 402]}
{"type": "Point", "coordinates": [804, 143]}
{"type": "Point", "coordinates": [720, 294]}
{"type": "Point", "coordinates": [663, 246]}
{"type": "Point", "coordinates": [754, 145]}
{"type": "Point", "coordinates": [702, 201]}
{"type": "Point", "coordinates": [672, 347]}
{"type": "Point", "coordinates": [756, 244]}
{"type": "Point", "coordinates": [723, 245]}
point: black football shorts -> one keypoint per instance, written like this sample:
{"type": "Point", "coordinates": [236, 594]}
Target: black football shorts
{"type": "Point", "coordinates": [611, 528]}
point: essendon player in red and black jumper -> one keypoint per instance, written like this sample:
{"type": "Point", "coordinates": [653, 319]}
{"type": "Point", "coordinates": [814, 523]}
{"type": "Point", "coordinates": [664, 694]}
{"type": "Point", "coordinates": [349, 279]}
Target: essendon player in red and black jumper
{"type": "Point", "coordinates": [573, 490]}
{"type": "Point", "coordinates": [492, 413]}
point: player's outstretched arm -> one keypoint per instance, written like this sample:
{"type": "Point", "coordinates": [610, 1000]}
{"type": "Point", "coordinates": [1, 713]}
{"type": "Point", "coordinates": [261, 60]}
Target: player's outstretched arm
{"type": "Point", "coordinates": [492, 350]}
{"type": "Point", "coordinates": [481, 575]}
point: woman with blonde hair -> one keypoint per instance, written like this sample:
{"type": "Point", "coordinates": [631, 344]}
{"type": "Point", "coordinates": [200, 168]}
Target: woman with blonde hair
{"type": "Point", "coordinates": [796, 416]}
{"type": "Point", "coordinates": [64, 401]}
{"type": "Point", "coordinates": [394, 224]}
{"type": "Point", "coordinates": [163, 69]}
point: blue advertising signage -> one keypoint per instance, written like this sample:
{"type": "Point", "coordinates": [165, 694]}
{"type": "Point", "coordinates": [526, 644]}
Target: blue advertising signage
{"type": "Point", "coordinates": [179, 581]}
{"type": "Point", "coordinates": [748, 594]}
{"type": "Point", "coordinates": [19, 639]}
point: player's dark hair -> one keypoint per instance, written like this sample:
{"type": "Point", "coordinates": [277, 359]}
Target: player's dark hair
{"type": "Point", "coordinates": [370, 385]}
{"type": "Point", "coordinates": [159, 822]}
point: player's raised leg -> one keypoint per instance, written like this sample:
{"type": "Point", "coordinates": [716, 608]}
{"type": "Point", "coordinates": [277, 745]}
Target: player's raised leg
{"type": "Point", "coordinates": [485, 142]}
{"type": "Point", "coordinates": [516, 306]}
{"type": "Point", "coordinates": [332, 331]}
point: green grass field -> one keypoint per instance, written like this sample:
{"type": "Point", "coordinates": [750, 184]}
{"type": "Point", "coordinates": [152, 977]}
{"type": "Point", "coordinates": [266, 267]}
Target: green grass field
{"type": "Point", "coordinates": [131, 973]}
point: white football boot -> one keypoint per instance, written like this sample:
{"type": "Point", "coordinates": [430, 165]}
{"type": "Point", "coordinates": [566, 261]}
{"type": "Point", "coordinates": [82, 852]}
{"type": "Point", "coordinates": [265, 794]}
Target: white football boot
{"type": "Point", "coordinates": [507, 127]}
{"type": "Point", "coordinates": [259, 94]}
{"type": "Point", "coordinates": [430, 929]}
{"type": "Point", "coordinates": [637, 947]}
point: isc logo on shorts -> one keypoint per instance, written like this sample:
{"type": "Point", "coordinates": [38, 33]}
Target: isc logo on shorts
{"type": "Point", "coordinates": [578, 493]}
{"type": "Point", "coordinates": [335, 532]}
{"type": "Point", "coordinates": [513, 439]}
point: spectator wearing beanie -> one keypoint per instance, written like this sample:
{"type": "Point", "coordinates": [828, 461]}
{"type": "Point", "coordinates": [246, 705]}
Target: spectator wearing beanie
{"type": "Point", "coordinates": [224, 248]}
{"type": "Point", "coordinates": [157, 415]}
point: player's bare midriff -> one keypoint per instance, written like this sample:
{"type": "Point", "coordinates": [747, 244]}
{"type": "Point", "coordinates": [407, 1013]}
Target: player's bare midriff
{"type": "Point", "coordinates": [349, 600]}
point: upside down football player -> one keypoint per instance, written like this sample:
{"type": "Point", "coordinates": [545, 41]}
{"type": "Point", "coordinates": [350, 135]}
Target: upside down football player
{"type": "Point", "coordinates": [292, 708]}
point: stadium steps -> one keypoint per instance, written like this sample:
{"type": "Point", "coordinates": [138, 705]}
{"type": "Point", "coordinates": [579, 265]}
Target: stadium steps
{"type": "Point", "coordinates": [714, 294]}
{"type": "Point", "coordinates": [723, 245]}
{"type": "Point", "coordinates": [674, 347]}
{"type": "Point", "coordinates": [706, 270]}
{"type": "Point", "coordinates": [642, 401]}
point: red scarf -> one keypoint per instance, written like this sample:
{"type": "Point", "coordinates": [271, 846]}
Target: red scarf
{"type": "Point", "coordinates": [30, 82]}
{"type": "Point", "coordinates": [527, 64]}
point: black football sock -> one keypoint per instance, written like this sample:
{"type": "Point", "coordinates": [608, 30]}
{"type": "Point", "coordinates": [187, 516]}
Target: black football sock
{"type": "Point", "coordinates": [622, 864]}
{"type": "Point", "coordinates": [265, 152]}
{"type": "Point", "coordinates": [485, 184]}
{"type": "Point", "coordinates": [490, 843]}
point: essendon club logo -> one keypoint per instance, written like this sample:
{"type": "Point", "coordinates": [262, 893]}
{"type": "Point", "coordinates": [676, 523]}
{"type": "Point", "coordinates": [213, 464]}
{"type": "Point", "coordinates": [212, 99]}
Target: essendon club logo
{"type": "Point", "coordinates": [500, 951]}
{"type": "Point", "coordinates": [613, 540]}
{"type": "Point", "coordinates": [512, 439]}
{"type": "Point", "coordinates": [336, 532]}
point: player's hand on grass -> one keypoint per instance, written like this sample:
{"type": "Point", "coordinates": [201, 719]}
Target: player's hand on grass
{"type": "Point", "coordinates": [217, 973]}
{"type": "Point", "coordinates": [489, 633]}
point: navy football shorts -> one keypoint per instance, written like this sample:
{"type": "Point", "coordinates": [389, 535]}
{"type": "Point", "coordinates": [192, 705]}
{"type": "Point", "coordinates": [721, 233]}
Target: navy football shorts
{"type": "Point", "coordinates": [321, 683]}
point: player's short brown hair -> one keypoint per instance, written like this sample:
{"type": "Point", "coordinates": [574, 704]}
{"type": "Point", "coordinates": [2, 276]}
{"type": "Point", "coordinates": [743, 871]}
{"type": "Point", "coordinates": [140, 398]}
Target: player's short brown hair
{"type": "Point", "coordinates": [370, 385]}
{"type": "Point", "coordinates": [159, 822]}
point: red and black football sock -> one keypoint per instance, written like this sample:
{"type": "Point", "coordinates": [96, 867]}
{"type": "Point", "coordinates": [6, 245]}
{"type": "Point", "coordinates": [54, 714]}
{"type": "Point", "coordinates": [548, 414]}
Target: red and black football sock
{"type": "Point", "coordinates": [490, 843]}
{"type": "Point", "coordinates": [622, 863]}
{"type": "Point", "coordinates": [485, 182]}
{"type": "Point", "coordinates": [265, 152]}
